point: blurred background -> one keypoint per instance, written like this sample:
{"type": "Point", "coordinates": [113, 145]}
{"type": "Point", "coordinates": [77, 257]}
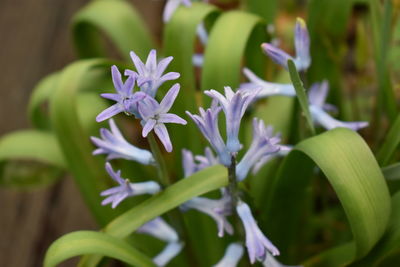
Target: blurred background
{"type": "Point", "coordinates": [35, 41]}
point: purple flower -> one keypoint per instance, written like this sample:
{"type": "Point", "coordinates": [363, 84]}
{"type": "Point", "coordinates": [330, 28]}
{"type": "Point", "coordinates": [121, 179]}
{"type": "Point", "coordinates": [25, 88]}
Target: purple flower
{"type": "Point", "coordinates": [169, 252]}
{"type": "Point", "coordinates": [302, 46]}
{"type": "Point", "coordinates": [150, 76]}
{"type": "Point", "coordinates": [114, 144]}
{"type": "Point", "coordinates": [270, 261]}
{"type": "Point", "coordinates": [159, 229]}
{"type": "Point", "coordinates": [125, 189]}
{"type": "Point", "coordinates": [154, 115]}
{"type": "Point", "coordinates": [232, 256]}
{"type": "Point", "coordinates": [265, 88]}
{"type": "Point", "coordinates": [234, 106]}
{"type": "Point", "coordinates": [192, 164]}
{"type": "Point", "coordinates": [122, 97]}
{"type": "Point", "coordinates": [318, 109]}
{"type": "Point", "coordinates": [256, 242]}
{"type": "Point", "coordinates": [216, 209]}
{"type": "Point", "coordinates": [283, 151]}
{"type": "Point", "coordinates": [171, 6]}
{"type": "Point", "coordinates": [207, 122]}
{"type": "Point", "coordinates": [263, 144]}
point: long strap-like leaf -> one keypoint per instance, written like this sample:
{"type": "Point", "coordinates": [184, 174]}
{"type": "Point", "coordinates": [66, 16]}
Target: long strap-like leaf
{"type": "Point", "coordinates": [119, 21]}
{"type": "Point", "coordinates": [354, 174]}
{"type": "Point", "coordinates": [88, 242]}
{"type": "Point", "coordinates": [199, 183]}
{"type": "Point", "coordinates": [234, 34]}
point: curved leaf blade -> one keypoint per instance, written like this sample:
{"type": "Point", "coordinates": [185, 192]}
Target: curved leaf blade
{"type": "Point", "coordinates": [355, 176]}
{"type": "Point", "coordinates": [89, 242]}
{"type": "Point", "coordinates": [119, 21]}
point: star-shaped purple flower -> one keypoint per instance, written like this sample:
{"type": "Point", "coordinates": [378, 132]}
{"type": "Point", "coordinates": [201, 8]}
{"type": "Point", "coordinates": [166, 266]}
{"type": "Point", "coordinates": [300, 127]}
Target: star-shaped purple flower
{"type": "Point", "coordinates": [122, 97]}
{"type": "Point", "coordinates": [264, 143]}
{"type": "Point", "coordinates": [114, 144]}
{"type": "Point", "coordinates": [256, 242]}
{"type": "Point", "coordinates": [207, 122]}
{"type": "Point", "coordinates": [155, 115]}
{"type": "Point", "coordinates": [232, 256]}
{"type": "Point", "coordinates": [234, 105]}
{"type": "Point", "coordinates": [171, 6]}
{"type": "Point", "coordinates": [265, 88]}
{"type": "Point", "coordinates": [302, 46]}
{"type": "Point", "coordinates": [125, 188]}
{"type": "Point", "coordinates": [192, 164]}
{"type": "Point", "coordinates": [218, 209]}
{"type": "Point", "coordinates": [318, 109]}
{"type": "Point", "coordinates": [150, 76]}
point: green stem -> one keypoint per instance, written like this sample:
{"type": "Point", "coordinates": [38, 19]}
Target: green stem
{"type": "Point", "coordinates": [162, 170]}
{"type": "Point", "coordinates": [174, 215]}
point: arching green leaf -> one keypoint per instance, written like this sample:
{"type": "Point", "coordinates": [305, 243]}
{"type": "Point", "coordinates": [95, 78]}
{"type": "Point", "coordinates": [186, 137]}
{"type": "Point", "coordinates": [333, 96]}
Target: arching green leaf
{"type": "Point", "coordinates": [199, 183]}
{"type": "Point", "coordinates": [355, 176]}
{"type": "Point", "coordinates": [233, 34]}
{"type": "Point", "coordinates": [119, 21]}
{"type": "Point", "coordinates": [88, 242]}
{"type": "Point", "coordinates": [29, 158]}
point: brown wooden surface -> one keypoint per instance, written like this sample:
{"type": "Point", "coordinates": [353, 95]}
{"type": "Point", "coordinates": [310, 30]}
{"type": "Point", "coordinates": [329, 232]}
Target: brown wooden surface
{"type": "Point", "coordinates": [35, 41]}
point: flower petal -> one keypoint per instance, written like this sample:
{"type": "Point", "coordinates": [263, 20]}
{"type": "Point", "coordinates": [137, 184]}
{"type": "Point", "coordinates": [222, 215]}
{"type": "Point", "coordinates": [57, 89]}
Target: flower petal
{"type": "Point", "coordinates": [148, 127]}
{"type": "Point", "coordinates": [109, 112]}
{"type": "Point", "coordinates": [169, 99]}
{"type": "Point", "coordinates": [162, 133]}
{"type": "Point", "coordinates": [171, 118]}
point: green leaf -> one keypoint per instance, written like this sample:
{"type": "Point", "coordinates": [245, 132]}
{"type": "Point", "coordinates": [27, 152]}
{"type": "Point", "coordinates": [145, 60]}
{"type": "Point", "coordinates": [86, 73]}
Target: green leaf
{"type": "Point", "coordinates": [37, 108]}
{"type": "Point", "coordinates": [180, 35]}
{"type": "Point", "coordinates": [301, 94]}
{"type": "Point", "coordinates": [328, 23]}
{"type": "Point", "coordinates": [30, 158]}
{"type": "Point", "coordinates": [119, 21]}
{"type": "Point", "coordinates": [88, 242]}
{"type": "Point", "coordinates": [381, 33]}
{"type": "Point", "coordinates": [73, 137]}
{"type": "Point", "coordinates": [232, 33]}
{"type": "Point", "coordinates": [199, 183]}
{"type": "Point", "coordinates": [355, 176]}
{"type": "Point", "coordinates": [265, 9]}
{"type": "Point", "coordinates": [390, 144]}
{"type": "Point", "coordinates": [389, 246]}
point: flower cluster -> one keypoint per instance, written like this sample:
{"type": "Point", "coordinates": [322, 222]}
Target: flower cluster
{"type": "Point", "coordinates": [265, 144]}
{"type": "Point", "coordinates": [318, 91]}
{"type": "Point", "coordinates": [142, 104]}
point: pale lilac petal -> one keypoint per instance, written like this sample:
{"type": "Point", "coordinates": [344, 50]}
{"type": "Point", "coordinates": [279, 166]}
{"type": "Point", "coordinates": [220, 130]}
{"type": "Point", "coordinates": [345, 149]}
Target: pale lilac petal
{"type": "Point", "coordinates": [198, 60]}
{"type": "Point", "coordinates": [202, 34]}
{"type": "Point", "coordinates": [318, 93]}
{"type": "Point", "coordinates": [256, 242]}
{"type": "Point", "coordinates": [232, 256]}
{"type": "Point", "coordinates": [170, 252]}
{"type": "Point", "coordinates": [162, 65]}
{"type": "Point", "coordinates": [148, 127]}
{"type": "Point", "coordinates": [127, 87]}
{"type": "Point", "coordinates": [151, 62]}
{"type": "Point", "coordinates": [114, 175]}
{"type": "Point", "coordinates": [169, 98]}
{"type": "Point", "coordinates": [109, 112]}
{"type": "Point", "coordinates": [116, 77]}
{"type": "Point", "coordinates": [277, 55]}
{"type": "Point", "coordinates": [114, 97]}
{"type": "Point", "coordinates": [159, 229]}
{"type": "Point", "coordinates": [162, 133]}
{"type": "Point", "coordinates": [169, 76]}
{"type": "Point", "coordinates": [138, 63]}
{"type": "Point", "coordinates": [302, 45]}
{"type": "Point", "coordinates": [171, 118]}
{"type": "Point", "coordinates": [169, 9]}
{"type": "Point", "coordinates": [320, 117]}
